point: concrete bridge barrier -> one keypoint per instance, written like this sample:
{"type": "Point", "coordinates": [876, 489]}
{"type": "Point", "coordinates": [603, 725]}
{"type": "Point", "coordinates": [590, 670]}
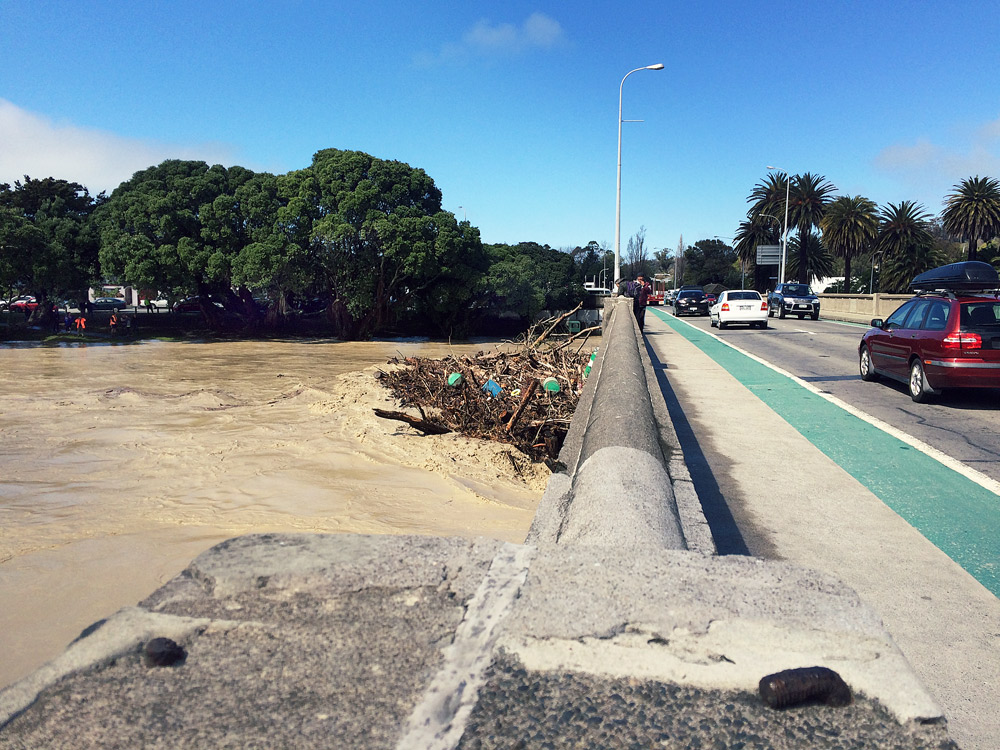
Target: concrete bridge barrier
{"type": "Point", "coordinates": [625, 482]}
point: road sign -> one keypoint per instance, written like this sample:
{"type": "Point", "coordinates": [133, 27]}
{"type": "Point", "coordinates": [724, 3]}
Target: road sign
{"type": "Point", "coordinates": [768, 255]}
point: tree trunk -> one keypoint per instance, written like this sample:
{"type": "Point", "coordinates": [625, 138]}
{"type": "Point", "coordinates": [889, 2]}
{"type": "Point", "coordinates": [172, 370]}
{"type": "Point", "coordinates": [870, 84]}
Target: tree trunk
{"type": "Point", "coordinates": [803, 264]}
{"type": "Point", "coordinates": [973, 242]}
{"type": "Point", "coordinates": [847, 273]}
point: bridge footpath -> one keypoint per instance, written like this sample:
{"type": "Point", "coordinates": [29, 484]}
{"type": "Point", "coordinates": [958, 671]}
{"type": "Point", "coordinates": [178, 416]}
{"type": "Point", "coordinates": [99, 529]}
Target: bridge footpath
{"type": "Point", "coordinates": [616, 624]}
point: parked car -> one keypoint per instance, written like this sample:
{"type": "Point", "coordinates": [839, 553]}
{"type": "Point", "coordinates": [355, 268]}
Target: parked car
{"type": "Point", "coordinates": [948, 336]}
{"type": "Point", "coordinates": [739, 306]}
{"type": "Point", "coordinates": [793, 299]}
{"type": "Point", "coordinates": [22, 304]}
{"type": "Point", "coordinates": [690, 302]}
{"type": "Point", "coordinates": [108, 303]}
{"type": "Point", "coordinates": [191, 304]}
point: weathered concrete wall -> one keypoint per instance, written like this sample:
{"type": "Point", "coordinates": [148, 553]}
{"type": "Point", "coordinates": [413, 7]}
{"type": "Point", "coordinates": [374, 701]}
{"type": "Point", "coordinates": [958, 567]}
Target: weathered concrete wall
{"type": "Point", "coordinates": [860, 308]}
{"type": "Point", "coordinates": [625, 481]}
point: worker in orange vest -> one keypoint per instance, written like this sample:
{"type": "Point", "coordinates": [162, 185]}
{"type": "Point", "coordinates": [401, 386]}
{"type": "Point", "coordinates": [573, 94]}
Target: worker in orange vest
{"type": "Point", "coordinates": [81, 323]}
{"type": "Point", "coordinates": [113, 323]}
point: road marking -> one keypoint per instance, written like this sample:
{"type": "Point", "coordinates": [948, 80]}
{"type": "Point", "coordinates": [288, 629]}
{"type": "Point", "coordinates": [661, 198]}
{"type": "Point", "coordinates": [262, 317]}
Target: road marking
{"type": "Point", "coordinates": [956, 517]}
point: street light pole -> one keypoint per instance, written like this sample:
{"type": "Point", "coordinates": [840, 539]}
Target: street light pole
{"type": "Point", "coordinates": [784, 235]}
{"type": "Point", "coordinates": [618, 203]}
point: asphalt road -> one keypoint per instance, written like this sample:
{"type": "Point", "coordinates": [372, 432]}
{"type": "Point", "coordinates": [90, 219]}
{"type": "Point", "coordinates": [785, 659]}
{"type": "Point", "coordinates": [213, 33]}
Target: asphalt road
{"type": "Point", "coordinates": [784, 473]}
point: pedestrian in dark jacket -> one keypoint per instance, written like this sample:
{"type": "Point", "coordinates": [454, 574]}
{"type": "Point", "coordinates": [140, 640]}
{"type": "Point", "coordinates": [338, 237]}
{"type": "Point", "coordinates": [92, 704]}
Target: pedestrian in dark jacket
{"type": "Point", "coordinates": [640, 296]}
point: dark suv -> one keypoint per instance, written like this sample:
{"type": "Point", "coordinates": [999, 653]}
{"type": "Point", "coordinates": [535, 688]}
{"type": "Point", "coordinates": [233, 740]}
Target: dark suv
{"type": "Point", "coordinates": [690, 302]}
{"type": "Point", "coordinates": [793, 299]}
{"type": "Point", "coordinates": [948, 336]}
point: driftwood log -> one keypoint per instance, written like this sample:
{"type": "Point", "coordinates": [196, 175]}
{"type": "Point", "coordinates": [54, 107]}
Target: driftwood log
{"type": "Point", "coordinates": [426, 426]}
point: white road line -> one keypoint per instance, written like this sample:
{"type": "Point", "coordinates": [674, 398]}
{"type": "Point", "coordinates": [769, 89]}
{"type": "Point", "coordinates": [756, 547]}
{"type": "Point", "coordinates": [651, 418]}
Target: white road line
{"type": "Point", "coordinates": [966, 471]}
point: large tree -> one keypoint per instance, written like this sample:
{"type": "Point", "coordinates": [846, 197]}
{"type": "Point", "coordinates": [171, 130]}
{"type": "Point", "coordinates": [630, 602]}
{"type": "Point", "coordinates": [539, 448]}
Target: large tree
{"type": "Point", "coordinates": [819, 262]}
{"type": "Point", "coordinates": [905, 245]}
{"type": "Point", "coordinates": [807, 203]}
{"type": "Point", "coordinates": [387, 249]}
{"type": "Point", "coordinates": [758, 229]}
{"type": "Point", "coordinates": [637, 254]}
{"type": "Point", "coordinates": [850, 228]}
{"type": "Point", "coordinates": [972, 211]}
{"type": "Point", "coordinates": [49, 248]}
{"type": "Point", "coordinates": [711, 262]}
{"type": "Point", "coordinates": [554, 278]}
{"type": "Point", "coordinates": [176, 228]}
{"type": "Point", "coordinates": [808, 195]}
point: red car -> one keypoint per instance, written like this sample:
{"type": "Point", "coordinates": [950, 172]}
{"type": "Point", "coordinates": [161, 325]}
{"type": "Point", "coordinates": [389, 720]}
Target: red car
{"type": "Point", "coordinates": [948, 336]}
{"type": "Point", "coordinates": [23, 304]}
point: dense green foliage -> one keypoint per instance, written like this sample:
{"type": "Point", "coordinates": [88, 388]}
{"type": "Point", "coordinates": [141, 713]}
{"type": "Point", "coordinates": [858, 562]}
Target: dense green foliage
{"type": "Point", "coordinates": [527, 278]}
{"type": "Point", "coordinates": [850, 228]}
{"type": "Point", "coordinates": [972, 211]}
{"type": "Point", "coordinates": [49, 244]}
{"type": "Point", "coordinates": [363, 239]}
{"type": "Point", "coordinates": [711, 262]}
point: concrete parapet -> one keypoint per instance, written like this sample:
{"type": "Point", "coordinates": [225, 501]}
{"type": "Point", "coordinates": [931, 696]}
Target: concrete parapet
{"type": "Point", "coordinates": [860, 308]}
{"type": "Point", "coordinates": [415, 643]}
{"type": "Point", "coordinates": [618, 488]}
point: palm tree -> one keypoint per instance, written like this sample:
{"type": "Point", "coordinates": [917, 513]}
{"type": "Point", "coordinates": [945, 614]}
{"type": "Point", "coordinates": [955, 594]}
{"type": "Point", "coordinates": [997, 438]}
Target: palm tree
{"type": "Point", "coordinates": [818, 260]}
{"type": "Point", "coordinates": [807, 203]}
{"type": "Point", "coordinates": [972, 211]}
{"type": "Point", "coordinates": [850, 228]}
{"type": "Point", "coordinates": [906, 245]}
{"type": "Point", "coordinates": [768, 196]}
{"type": "Point", "coordinates": [756, 230]}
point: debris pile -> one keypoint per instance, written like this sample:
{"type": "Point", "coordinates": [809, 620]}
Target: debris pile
{"type": "Point", "coordinates": [522, 394]}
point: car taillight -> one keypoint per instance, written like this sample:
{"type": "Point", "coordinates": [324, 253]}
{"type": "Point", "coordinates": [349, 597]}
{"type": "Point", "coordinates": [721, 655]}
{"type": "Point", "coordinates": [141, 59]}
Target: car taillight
{"type": "Point", "coordinates": [763, 305]}
{"type": "Point", "coordinates": [963, 340]}
{"type": "Point", "coordinates": [725, 307]}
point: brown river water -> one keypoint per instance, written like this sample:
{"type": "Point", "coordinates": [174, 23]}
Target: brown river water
{"type": "Point", "coordinates": [120, 463]}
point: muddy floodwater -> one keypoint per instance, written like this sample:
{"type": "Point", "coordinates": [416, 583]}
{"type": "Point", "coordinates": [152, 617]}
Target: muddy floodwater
{"type": "Point", "coordinates": [120, 463]}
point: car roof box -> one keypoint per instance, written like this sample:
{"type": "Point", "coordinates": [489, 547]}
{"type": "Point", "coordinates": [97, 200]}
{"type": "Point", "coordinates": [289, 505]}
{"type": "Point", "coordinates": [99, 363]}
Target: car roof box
{"type": "Point", "coordinates": [970, 275]}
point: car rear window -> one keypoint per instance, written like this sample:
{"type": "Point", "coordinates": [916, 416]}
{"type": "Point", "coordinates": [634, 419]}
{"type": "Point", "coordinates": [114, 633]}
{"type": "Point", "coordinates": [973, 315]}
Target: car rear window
{"type": "Point", "coordinates": [796, 289]}
{"type": "Point", "coordinates": [744, 295]}
{"type": "Point", "coordinates": [979, 315]}
{"type": "Point", "coordinates": [692, 295]}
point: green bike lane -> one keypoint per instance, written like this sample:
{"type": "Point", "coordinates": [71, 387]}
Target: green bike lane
{"type": "Point", "coordinates": [957, 515]}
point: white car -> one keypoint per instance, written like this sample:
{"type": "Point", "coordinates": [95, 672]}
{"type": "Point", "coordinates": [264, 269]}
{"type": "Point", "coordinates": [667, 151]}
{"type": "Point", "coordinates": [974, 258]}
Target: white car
{"type": "Point", "coordinates": [739, 306]}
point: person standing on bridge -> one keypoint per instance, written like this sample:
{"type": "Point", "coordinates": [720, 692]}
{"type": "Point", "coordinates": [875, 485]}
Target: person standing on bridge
{"type": "Point", "coordinates": [640, 297]}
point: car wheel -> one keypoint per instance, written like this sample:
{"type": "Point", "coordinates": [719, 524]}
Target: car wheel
{"type": "Point", "coordinates": [868, 373]}
{"type": "Point", "coordinates": [781, 312]}
{"type": "Point", "coordinates": [722, 324]}
{"type": "Point", "coordinates": [763, 324]}
{"type": "Point", "coordinates": [920, 391]}
{"type": "Point", "coordinates": [815, 316]}
{"type": "Point", "coordinates": [711, 321]}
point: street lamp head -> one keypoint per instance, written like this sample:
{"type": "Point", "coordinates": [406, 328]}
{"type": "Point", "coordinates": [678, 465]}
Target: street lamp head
{"type": "Point", "coordinates": [658, 66]}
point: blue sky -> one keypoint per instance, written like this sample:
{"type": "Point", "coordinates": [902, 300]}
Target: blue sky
{"type": "Point", "coordinates": [512, 108]}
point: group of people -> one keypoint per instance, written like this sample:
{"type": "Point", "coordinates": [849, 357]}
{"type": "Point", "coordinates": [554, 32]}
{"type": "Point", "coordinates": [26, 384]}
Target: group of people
{"type": "Point", "coordinates": [639, 290]}
{"type": "Point", "coordinates": [117, 325]}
